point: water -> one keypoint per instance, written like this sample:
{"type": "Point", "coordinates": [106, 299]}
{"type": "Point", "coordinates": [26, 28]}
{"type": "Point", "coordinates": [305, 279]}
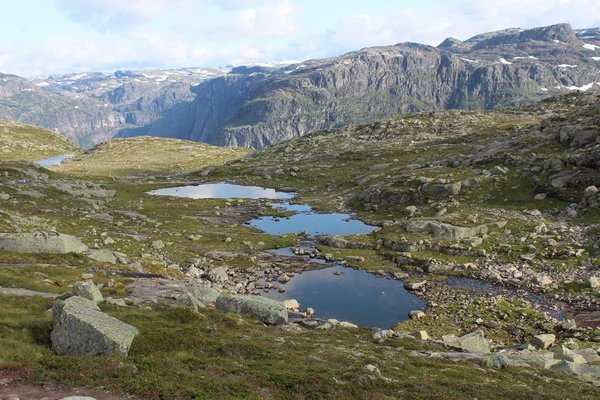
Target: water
{"type": "Point", "coordinates": [354, 296]}
{"type": "Point", "coordinates": [53, 161]}
{"type": "Point", "coordinates": [222, 191]}
{"type": "Point", "coordinates": [315, 224]}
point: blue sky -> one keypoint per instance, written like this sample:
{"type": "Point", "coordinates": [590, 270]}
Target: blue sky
{"type": "Point", "coordinates": [41, 37]}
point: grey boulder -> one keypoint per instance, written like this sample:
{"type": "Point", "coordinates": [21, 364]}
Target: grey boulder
{"type": "Point", "coordinates": [89, 291]}
{"type": "Point", "coordinates": [267, 310]}
{"type": "Point", "coordinates": [81, 329]}
{"type": "Point", "coordinates": [205, 293]}
{"type": "Point", "coordinates": [41, 242]}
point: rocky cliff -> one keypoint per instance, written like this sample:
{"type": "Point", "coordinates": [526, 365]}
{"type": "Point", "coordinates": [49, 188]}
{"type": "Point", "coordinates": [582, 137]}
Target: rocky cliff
{"type": "Point", "coordinates": [494, 70]}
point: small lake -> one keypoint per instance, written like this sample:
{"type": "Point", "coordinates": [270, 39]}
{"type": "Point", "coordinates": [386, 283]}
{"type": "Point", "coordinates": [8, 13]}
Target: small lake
{"type": "Point", "coordinates": [305, 218]}
{"type": "Point", "coordinates": [222, 191]}
{"type": "Point", "coordinates": [353, 296]}
{"type": "Point", "coordinates": [53, 161]}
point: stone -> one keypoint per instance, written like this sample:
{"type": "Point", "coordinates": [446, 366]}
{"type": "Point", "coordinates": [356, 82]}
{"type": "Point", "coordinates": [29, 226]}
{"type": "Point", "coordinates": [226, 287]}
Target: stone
{"type": "Point", "coordinates": [591, 282]}
{"type": "Point", "coordinates": [193, 272]}
{"type": "Point", "coordinates": [590, 373]}
{"type": "Point", "coordinates": [292, 304]}
{"type": "Point", "coordinates": [157, 245]}
{"type": "Point", "coordinates": [420, 335]}
{"type": "Point", "coordinates": [41, 242]}
{"type": "Point", "coordinates": [542, 280]}
{"type": "Point", "coordinates": [116, 302]}
{"type": "Point", "coordinates": [498, 171]}
{"type": "Point", "coordinates": [88, 290]}
{"type": "Point", "coordinates": [445, 231]}
{"type": "Point", "coordinates": [558, 183]}
{"type": "Point", "coordinates": [102, 256]}
{"type": "Point", "coordinates": [218, 275]}
{"type": "Point", "coordinates": [589, 355]}
{"type": "Point", "coordinates": [473, 242]}
{"type": "Point", "coordinates": [347, 325]}
{"type": "Point", "coordinates": [590, 191]}
{"type": "Point", "coordinates": [383, 334]}
{"type": "Point", "coordinates": [497, 361]}
{"type": "Point", "coordinates": [416, 314]}
{"type": "Point", "coordinates": [204, 293]}
{"type": "Point", "coordinates": [540, 196]}
{"type": "Point", "coordinates": [267, 310]}
{"type": "Point", "coordinates": [564, 353]}
{"type": "Point", "coordinates": [442, 190]}
{"type": "Point", "coordinates": [414, 285]}
{"type": "Point", "coordinates": [283, 278]}
{"type": "Point", "coordinates": [188, 300]}
{"type": "Point", "coordinates": [411, 210]}
{"type": "Point", "coordinates": [474, 342]}
{"type": "Point", "coordinates": [543, 341]}
{"type": "Point", "coordinates": [310, 311]}
{"type": "Point", "coordinates": [81, 329]}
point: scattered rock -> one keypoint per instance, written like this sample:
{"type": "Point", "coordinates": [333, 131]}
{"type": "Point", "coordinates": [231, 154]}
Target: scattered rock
{"type": "Point", "coordinates": [88, 290]}
{"type": "Point", "coordinates": [204, 293]}
{"type": "Point", "coordinates": [41, 242]}
{"type": "Point", "coordinates": [267, 310]}
{"type": "Point", "coordinates": [218, 275]}
{"type": "Point", "coordinates": [543, 341]}
{"type": "Point", "coordinates": [474, 342]}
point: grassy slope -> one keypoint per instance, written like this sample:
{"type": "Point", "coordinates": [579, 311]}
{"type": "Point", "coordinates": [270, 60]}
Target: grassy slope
{"type": "Point", "coordinates": [30, 143]}
{"type": "Point", "coordinates": [148, 155]}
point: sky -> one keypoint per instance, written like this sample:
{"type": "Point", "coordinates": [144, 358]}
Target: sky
{"type": "Point", "coordinates": [43, 37]}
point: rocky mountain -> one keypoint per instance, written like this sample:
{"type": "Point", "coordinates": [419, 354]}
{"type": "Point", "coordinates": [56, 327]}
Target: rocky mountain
{"type": "Point", "coordinates": [494, 70]}
{"type": "Point", "coordinates": [91, 107]}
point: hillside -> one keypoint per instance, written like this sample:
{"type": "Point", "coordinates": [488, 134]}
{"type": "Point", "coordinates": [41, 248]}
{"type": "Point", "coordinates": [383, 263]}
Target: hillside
{"type": "Point", "coordinates": [30, 143]}
{"type": "Point", "coordinates": [489, 71]}
{"type": "Point", "coordinates": [488, 218]}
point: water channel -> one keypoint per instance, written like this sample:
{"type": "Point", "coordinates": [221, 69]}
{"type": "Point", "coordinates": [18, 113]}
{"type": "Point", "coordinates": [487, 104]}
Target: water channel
{"type": "Point", "coordinates": [53, 161]}
{"type": "Point", "coordinates": [334, 291]}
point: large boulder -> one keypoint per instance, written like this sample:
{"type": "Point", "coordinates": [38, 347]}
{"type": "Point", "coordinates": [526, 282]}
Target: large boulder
{"type": "Point", "coordinates": [107, 256]}
{"type": "Point", "coordinates": [41, 242]}
{"type": "Point", "coordinates": [445, 231]}
{"type": "Point", "coordinates": [205, 293]}
{"type": "Point", "coordinates": [218, 275]}
{"type": "Point", "coordinates": [88, 290]}
{"type": "Point", "coordinates": [81, 329]}
{"type": "Point", "coordinates": [267, 310]}
{"type": "Point", "coordinates": [442, 189]}
{"type": "Point", "coordinates": [474, 342]}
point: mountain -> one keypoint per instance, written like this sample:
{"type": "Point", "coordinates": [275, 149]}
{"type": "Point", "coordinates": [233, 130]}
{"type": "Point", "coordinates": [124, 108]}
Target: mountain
{"type": "Point", "coordinates": [91, 107]}
{"type": "Point", "coordinates": [511, 67]}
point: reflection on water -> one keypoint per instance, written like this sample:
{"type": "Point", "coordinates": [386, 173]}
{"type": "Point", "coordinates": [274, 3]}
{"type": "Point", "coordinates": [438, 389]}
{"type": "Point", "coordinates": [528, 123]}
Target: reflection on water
{"type": "Point", "coordinates": [354, 296]}
{"type": "Point", "coordinates": [315, 224]}
{"type": "Point", "coordinates": [222, 191]}
{"type": "Point", "coordinates": [53, 161]}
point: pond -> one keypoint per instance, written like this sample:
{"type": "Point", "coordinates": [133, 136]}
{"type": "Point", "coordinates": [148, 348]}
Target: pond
{"type": "Point", "coordinates": [53, 161]}
{"type": "Point", "coordinates": [304, 219]}
{"type": "Point", "coordinates": [355, 296]}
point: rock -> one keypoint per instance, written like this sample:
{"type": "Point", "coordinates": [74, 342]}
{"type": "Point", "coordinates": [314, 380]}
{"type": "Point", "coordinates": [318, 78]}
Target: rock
{"type": "Point", "coordinates": [372, 369]}
{"type": "Point", "coordinates": [283, 278]}
{"type": "Point", "coordinates": [87, 276]}
{"type": "Point", "coordinates": [591, 282]}
{"type": "Point", "coordinates": [157, 245]}
{"type": "Point", "coordinates": [589, 355]}
{"type": "Point", "coordinates": [41, 242]}
{"type": "Point", "coordinates": [498, 171]}
{"type": "Point", "coordinates": [188, 300]}
{"type": "Point", "coordinates": [347, 325]}
{"type": "Point", "coordinates": [421, 335]}
{"type": "Point", "coordinates": [81, 329]}
{"type": "Point", "coordinates": [267, 310]}
{"type": "Point", "coordinates": [116, 302]}
{"type": "Point", "coordinates": [414, 285]}
{"type": "Point", "coordinates": [89, 291]}
{"type": "Point", "coordinates": [416, 314]}
{"type": "Point", "coordinates": [102, 256]}
{"type": "Point", "coordinates": [445, 231]}
{"type": "Point", "coordinates": [442, 190]}
{"type": "Point", "coordinates": [497, 361]}
{"type": "Point", "coordinates": [558, 183]}
{"type": "Point", "coordinates": [411, 210]}
{"type": "Point", "coordinates": [474, 342]}
{"type": "Point", "coordinates": [590, 191]}
{"type": "Point", "coordinates": [567, 325]}
{"type": "Point", "coordinates": [473, 242]}
{"type": "Point", "coordinates": [204, 293]}
{"type": "Point", "coordinates": [218, 275]}
{"type": "Point", "coordinates": [310, 312]}
{"type": "Point", "coordinates": [383, 334]}
{"type": "Point", "coordinates": [543, 341]}
{"type": "Point", "coordinates": [588, 372]}
{"type": "Point", "coordinates": [194, 272]}
{"type": "Point", "coordinates": [542, 280]}
{"type": "Point", "coordinates": [564, 353]}
{"type": "Point", "coordinates": [540, 196]}
{"type": "Point", "coordinates": [451, 341]}
{"type": "Point", "coordinates": [292, 304]}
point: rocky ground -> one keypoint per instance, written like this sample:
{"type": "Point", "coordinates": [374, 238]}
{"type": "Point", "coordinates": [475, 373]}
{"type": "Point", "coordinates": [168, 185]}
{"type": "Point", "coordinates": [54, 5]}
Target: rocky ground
{"type": "Point", "coordinates": [505, 198]}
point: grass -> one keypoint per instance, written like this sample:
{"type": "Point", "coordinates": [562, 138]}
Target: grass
{"type": "Point", "coordinates": [20, 142]}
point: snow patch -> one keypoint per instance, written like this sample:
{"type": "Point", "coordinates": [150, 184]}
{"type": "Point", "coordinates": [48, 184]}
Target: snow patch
{"type": "Point", "coordinates": [596, 58]}
{"type": "Point", "coordinates": [503, 61]}
{"type": "Point", "coordinates": [584, 87]}
{"type": "Point", "coordinates": [471, 61]}
{"type": "Point", "coordinates": [567, 66]}
{"type": "Point", "coordinates": [40, 84]}
{"type": "Point", "coordinates": [544, 89]}
{"type": "Point", "coordinates": [528, 57]}
{"type": "Point", "coordinates": [591, 47]}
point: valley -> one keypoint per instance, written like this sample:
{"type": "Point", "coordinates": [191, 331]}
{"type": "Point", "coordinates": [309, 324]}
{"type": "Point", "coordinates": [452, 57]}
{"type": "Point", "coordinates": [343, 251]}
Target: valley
{"type": "Point", "coordinates": [471, 258]}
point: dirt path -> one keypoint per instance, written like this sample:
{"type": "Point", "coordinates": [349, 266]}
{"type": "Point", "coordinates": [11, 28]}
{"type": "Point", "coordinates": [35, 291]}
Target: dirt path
{"type": "Point", "coordinates": [11, 388]}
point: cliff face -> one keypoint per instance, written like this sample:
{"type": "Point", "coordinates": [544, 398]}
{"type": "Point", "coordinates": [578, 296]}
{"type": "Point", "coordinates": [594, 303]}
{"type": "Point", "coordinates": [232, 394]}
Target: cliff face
{"type": "Point", "coordinates": [91, 107]}
{"type": "Point", "coordinates": [494, 70]}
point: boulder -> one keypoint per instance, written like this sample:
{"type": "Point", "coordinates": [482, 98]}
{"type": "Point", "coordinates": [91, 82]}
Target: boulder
{"type": "Point", "coordinates": [103, 256]}
{"type": "Point", "coordinates": [589, 373]}
{"type": "Point", "coordinates": [474, 342]}
{"type": "Point", "coordinates": [292, 304]}
{"type": "Point", "coordinates": [188, 300]}
{"type": "Point", "coordinates": [347, 325]}
{"type": "Point", "coordinates": [88, 290]}
{"type": "Point", "coordinates": [267, 310]}
{"type": "Point", "coordinates": [414, 285]}
{"type": "Point", "coordinates": [205, 293]}
{"type": "Point", "coordinates": [445, 231]}
{"type": "Point", "coordinates": [543, 341]}
{"type": "Point", "coordinates": [81, 329]}
{"type": "Point", "coordinates": [421, 335]}
{"type": "Point", "coordinates": [41, 242]}
{"type": "Point", "coordinates": [497, 361]}
{"type": "Point", "coordinates": [591, 282]}
{"type": "Point", "coordinates": [218, 275]}
{"type": "Point", "coordinates": [442, 189]}
{"type": "Point", "coordinates": [564, 353]}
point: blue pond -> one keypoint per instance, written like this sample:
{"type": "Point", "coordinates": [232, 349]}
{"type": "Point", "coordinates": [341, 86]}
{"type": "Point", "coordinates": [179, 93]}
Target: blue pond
{"type": "Point", "coordinates": [53, 161]}
{"type": "Point", "coordinates": [354, 296]}
{"type": "Point", "coordinates": [222, 191]}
